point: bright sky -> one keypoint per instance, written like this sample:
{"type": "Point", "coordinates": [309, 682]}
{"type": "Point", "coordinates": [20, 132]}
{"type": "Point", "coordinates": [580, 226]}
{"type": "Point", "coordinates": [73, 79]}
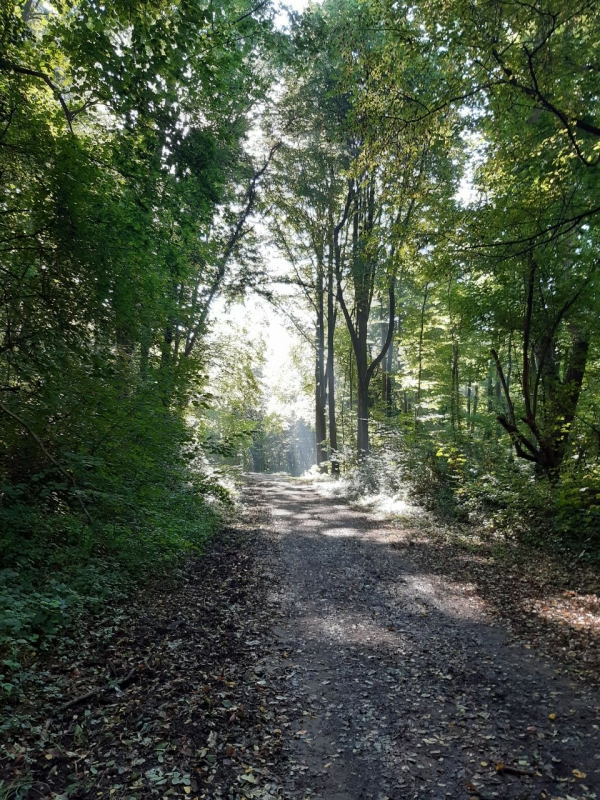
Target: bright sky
{"type": "Point", "coordinates": [282, 378]}
{"type": "Point", "coordinates": [294, 5]}
{"type": "Point", "coordinates": [259, 316]}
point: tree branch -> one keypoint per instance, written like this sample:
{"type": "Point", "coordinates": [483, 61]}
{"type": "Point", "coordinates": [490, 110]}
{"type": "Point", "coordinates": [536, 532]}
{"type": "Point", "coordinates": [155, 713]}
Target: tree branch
{"type": "Point", "coordinates": [547, 105]}
{"type": "Point", "coordinates": [390, 332]}
{"type": "Point", "coordinates": [9, 66]}
{"type": "Point", "coordinates": [235, 236]}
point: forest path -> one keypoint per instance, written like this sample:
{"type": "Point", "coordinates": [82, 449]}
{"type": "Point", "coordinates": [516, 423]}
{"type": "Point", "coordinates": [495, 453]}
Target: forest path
{"type": "Point", "coordinates": [403, 686]}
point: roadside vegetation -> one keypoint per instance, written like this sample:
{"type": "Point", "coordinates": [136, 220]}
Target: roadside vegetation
{"type": "Point", "coordinates": [437, 202]}
{"type": "Point", "coordinates": [427, 172]}
{"type": "Point", "coordinates": [126, 192]}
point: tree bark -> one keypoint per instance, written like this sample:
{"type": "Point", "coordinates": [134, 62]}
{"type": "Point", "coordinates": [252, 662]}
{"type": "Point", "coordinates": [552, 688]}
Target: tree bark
{"type": "Point", "coordinates": [331, 320]}
{"type": "Point", "coordinates": [420, 354]}
{"type": "Point", "coordinates": [570, 391]}
{"type": "Point", "coordinates": [320, 378]}
{"type": "Point", "coordinates": [546, 444]}
{"type": "Point", "coordinates": [363, 275]}
{"type": "Point", "coordinates": [386, 374]}
{"type": "Point", "coordinates": [362, 442]}
{"type": "Point", "coordinates": [474, 409]}
{"type": "Point", "coordinates": [455, 388]}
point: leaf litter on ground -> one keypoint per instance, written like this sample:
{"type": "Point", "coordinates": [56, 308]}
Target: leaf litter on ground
{"type": "Point", "coordinates": [188, 693]}
{"type": "Point", "coordinates": [168, 698]}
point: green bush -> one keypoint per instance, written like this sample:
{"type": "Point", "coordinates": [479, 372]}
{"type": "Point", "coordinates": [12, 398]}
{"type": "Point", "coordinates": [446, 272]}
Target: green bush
{"type": "Point", "coordinates": [478, 482]}
{"type": "Point", "coordinates": [151, 500]}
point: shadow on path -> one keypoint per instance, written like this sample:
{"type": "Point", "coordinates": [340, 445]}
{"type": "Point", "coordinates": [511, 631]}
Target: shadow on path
{"type": "Point", "coordinates": [409, 690]}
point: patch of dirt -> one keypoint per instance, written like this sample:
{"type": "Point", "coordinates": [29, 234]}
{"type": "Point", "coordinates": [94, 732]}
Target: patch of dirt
{"type": "Point", "coordinates": [546, 603]}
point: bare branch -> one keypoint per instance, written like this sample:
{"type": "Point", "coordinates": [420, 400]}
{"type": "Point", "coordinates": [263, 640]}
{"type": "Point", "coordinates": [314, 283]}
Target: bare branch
{"type": "Point", "coordinates": [234, 237]}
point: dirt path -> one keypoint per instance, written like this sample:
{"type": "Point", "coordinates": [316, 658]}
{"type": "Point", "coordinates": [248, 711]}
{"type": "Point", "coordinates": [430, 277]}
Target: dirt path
{"type": "Point", "coordinates": [402, 686]}
{"type": "Point", "coordinates": [312, 653]}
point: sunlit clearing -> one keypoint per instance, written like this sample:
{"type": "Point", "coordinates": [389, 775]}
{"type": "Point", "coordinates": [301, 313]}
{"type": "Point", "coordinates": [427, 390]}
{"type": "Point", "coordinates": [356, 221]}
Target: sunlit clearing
{"type": "Point", "coordinates": [385, 506]}
{"type": "Point", "coordinates": [279, 372]}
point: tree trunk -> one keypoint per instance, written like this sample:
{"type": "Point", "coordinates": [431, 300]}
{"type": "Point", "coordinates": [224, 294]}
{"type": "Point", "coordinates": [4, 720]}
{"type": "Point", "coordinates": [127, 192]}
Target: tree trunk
{"type": "Point", "coordinates": [362, 394]}
{"type": "Point", "coordinates": [474, 410]}
{"type": "Point", "coordinates": [331, 319]}
{"type": "Point", "coordinates": [455, 388]}
{"type": "Point", "coordinates": [490, 387]}
{"type": "Point", "coordinates": [420, 353]}
{"type": "Point", "coordinates": [386, 373]}
{"type": "Point", "coordinates": [547, 442]}
{"type": "Point", "coordinates": [570, 391]}
{"type": "Point", "coordinates": [351, 379]}
{"type": "Point", "coordinates": [320, 379]}
{"type": "Point", "coordinates": [363, 275]}
{"type": "Point", "coordinates": [363, 419]}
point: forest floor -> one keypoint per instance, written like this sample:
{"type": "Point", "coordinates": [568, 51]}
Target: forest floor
{"type": "Point", "coordinates": [317, 651]}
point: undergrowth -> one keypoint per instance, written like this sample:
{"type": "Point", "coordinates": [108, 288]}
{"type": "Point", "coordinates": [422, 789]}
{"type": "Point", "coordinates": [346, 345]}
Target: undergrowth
{"type": "Point", "coordinates": [482, 486]}
{"type": "Point", "coordinates": [59, 568]}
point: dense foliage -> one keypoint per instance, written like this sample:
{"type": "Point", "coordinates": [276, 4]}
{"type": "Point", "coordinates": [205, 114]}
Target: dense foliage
{"type": "Point", "coordinates": [439, 190]}
{"type": "Point", "coordinates": [125, 194]}
{"type": "Point", "coordinates": [429, 173]}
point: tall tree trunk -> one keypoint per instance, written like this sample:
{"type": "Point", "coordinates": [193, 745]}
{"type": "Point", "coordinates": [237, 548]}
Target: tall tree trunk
{"type": "Point", "coordinates": [177, 335]}
{"type": "Point", "coordinates": [570, 391]}
{"type": "Point", "coordinates": [455, 388]}
{"type": "Point", "coordinates": [351, 379]}
{"type": "Point", "coordinates": [474, 410]}
{"type": "Point", "coordinates": [420, 354]}
{"type": "Point", "coordinates": [331, 319]}
{"type": "Point", "coordinates": [386, 373]}
{"type": "Point", "coordinates": [490, 387]}
{"type": "Point", "coordinates": [320, 378]}
{"type": "Point", "coordinates": [387, 379]}
{"type": "Point", "coordinates": [363, 274]}
{"type": "Point", "coordinates": [363, 419]}
{"type": "Point", "coordinates": [545, 444]}
{"type": "Point", "coordinates": [362, 394]}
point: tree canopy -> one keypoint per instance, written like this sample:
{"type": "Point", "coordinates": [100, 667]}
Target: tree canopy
{"type": "Point", "coordinates": [428, 175]}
